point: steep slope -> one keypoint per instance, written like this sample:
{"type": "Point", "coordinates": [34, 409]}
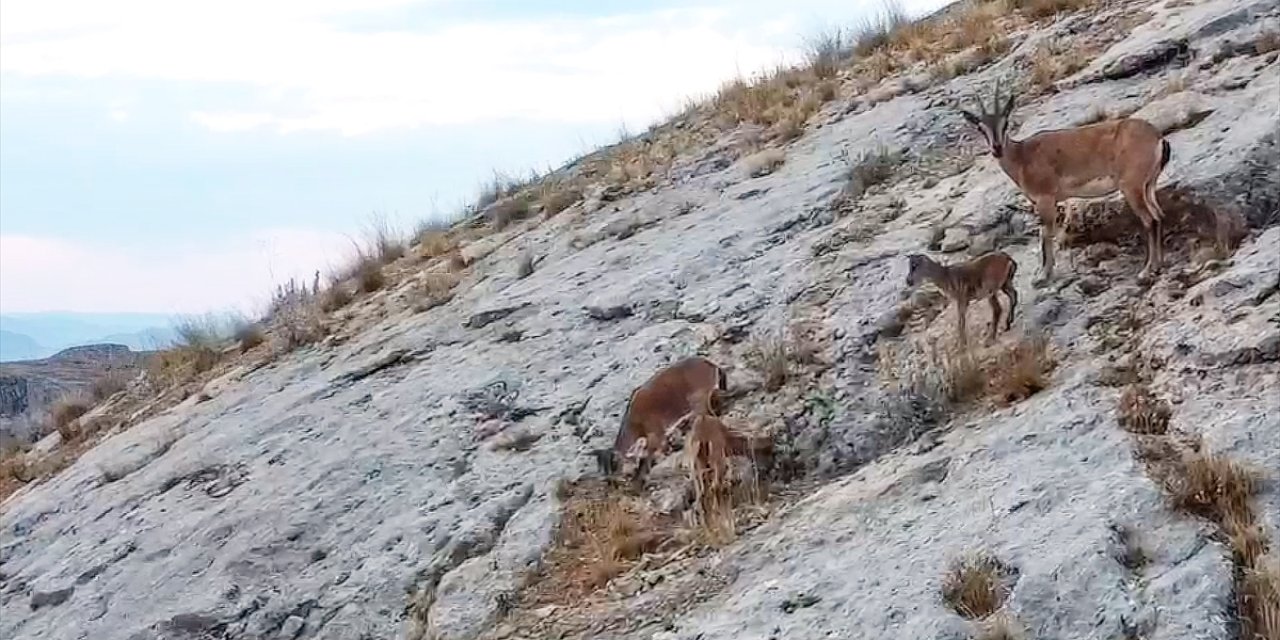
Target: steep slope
{"type": "Point", "coordinates": [358, 488]}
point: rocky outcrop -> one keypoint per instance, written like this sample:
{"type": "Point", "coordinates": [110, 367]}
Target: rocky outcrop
{"type": "Point", "coordinates": [29, 388]}
{"type": "Point", "coordinates": [358, 489]}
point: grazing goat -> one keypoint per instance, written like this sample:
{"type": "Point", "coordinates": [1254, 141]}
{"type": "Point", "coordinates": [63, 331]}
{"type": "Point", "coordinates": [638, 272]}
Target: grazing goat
{"type": "Point", "coordinates": [660, 403]}
{"type": "Point", "coordinates": [707, 449]}
{"type": "Point", "coordinates": [1090, 161]}
{"type": "Point", "coordinates": [979, 278]}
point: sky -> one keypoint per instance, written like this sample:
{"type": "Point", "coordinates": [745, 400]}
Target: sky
{"type": "Point", "coordinates": [183, 157]}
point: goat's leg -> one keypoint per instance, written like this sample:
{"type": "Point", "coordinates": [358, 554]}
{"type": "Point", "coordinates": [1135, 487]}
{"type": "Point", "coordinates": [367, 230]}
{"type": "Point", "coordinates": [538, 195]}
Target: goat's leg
{"type": "Point", "coordinates": [962, 310]}
{"type": "Point", "coordinates": [995, 318]}
{"type": "Point", "coordinates": [1157, 226]}
{"type": "Point", "coordinates": [1047, 209]}
{"type": "Point", "coordinates": [1137, 200]}
{"type": "Point", "coordinates": [1011, 291]}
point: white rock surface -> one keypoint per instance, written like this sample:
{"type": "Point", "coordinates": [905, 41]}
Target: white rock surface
{"type": "Point", "coordinates": [308, 498]}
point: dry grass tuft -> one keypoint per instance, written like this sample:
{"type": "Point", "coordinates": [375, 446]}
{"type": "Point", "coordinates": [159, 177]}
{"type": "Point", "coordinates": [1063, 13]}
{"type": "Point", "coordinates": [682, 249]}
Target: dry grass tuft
{"type": "Point", "coordinates": [1213, 487]}
{"type": "Point", "coordinates": [976, 586]}
{"type": "Point", "coordinates": [771, 355]}
{"type": "Point", "coordinates": [435, 289]}
{"type": "Point", "coordinates": [64, 414]}
{"type": "Point", "coordinates": [1140, 412]}
{"type": "Point", "coordinates": [826, 51]}
{"type": "Point", "coordinates": [1260, 600]}
{"type": "Point", "coordinates": [110, 383]}
{"type": "Point", "coordinates": [1053, 62]}
{"type": "Point", "coordinates": [196, 351]}
{"type": "Point", "coordinates": [248, 334]}
{"type": "Point", "coordinates": [434, 243]}
{"type": "Point", "coordinates": [554, 197]}
{"type": "Point", "coordinates": [868, 170]}
{"type": "Point", "coordinates": [1040, 9]}
{"type": "Point", "coordinates": [1000, 626]}
{"type": "Point", "coordinates": [763, 163]}
{"type": "Point", "coordinates": [508, 211]}
{"type": "Point", "coordinates": [605, 536]}
{"type": "Point", "coordinates": [1020, 371]}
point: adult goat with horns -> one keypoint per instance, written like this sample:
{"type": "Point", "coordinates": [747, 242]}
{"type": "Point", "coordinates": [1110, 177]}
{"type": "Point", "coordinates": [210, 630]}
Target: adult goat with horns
{"type": "Point", "coordinates": [1090, 161]}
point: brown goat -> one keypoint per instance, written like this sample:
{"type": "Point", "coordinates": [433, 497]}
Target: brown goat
{"type": "Point", "coordinates": [708, 447]}
{"type": "Point", "coordinates": [667, 397]}
{"type": "Point", "coordinates": [1090, 161]}
{"type": "Point", "coordinates": [979, 278]}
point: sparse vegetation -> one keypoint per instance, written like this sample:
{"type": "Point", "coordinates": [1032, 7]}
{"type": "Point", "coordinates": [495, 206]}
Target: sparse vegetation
{"type": "Point", "coordinates": [248, 334]}
{"type": "Point", "coordinates": [976, 586]}
{"type": "Point", "coordinates": [434, 243]}
{"type": "Point", "coordinates": [868, 170]}
{"type": "Point", "coordinates": [1021, 370]}
{"type": "Point", "coordinates": [770, 355]}
{"type": "Point", "coordinates": [1140, 412]}
{"type": "Point", "coordinates": [64, 414]}
{"type": "Point", "coordinates": [110, 383]}
{"type": "Point", "coordinates": [826, 52]}
{"type": "Point", "coordinates": [1053, 62]}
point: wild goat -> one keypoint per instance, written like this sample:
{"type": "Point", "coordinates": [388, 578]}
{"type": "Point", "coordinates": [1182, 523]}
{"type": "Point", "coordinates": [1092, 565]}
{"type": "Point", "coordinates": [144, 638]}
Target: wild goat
{"type": "Point", "coordinates": [660, 403]}
{"type": "Point", "coordinates": [979, 278]}
{"type": "Point", "coordinates": [708, 447]}
{"type": "Point", "coordinates": [1090, 161]}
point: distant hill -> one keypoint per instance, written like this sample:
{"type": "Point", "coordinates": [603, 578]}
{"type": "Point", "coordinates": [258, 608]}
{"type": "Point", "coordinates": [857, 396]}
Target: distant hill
{"type": "Point", "coordinates": [17, 346]}
{"type": "Point", "coordinates": [28, 388]}
{"type": "Point", "coordinates": [29, 336]}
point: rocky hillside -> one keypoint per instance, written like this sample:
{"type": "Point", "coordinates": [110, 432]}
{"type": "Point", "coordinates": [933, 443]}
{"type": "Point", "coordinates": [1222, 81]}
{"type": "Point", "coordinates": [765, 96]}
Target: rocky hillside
{"type": "Point", "coordinates": [1106, 469]}
{"type": "Point", "coordinates": [28, 389]}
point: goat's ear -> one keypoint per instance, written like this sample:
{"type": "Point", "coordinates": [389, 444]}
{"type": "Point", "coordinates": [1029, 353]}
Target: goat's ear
{"type": "Point", "coordinates": [973, 120]}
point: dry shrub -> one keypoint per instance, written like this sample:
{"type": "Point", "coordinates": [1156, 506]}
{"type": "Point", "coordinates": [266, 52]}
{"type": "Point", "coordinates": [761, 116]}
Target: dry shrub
{"type": "Point", "coordinates": [369, 276]}
{"type": "Point", "coordinates": [196, 350]}
{"type": "Point", "coordinates": [434, 289]}
{"type": "Point", "coordinates": [826, 51]}
{"type": "Point", "coordinates": [554, 197]}
{"type": "Point", "coordinates": [764, 162]}
{"type": "Point", "coordinates": [1140, 412]}
{"type": "Point", "coordinates": [1052, 62]}
{"type": "Point", "coordinates": [1000, 626]}
{"type": "Point", "coordinates": [459, 261]}
{"type": "Point", "coordinates": [602, 535]}
{"type": "Point", "coordinates": [507, 211]}
{"type": "Point", "coordinates": [936, 372]}
{"type": "Point", "coordinates": [110, 383]}
{"type": "Point", "coordinates": [876, 31]}
{"type": "Point", "coordinates": [434, 243]}
{"type": "Point", "coordinates": [498, 187]}
{"type": "Point", "coordinates": [868, 170]}
{"type": "Point", "coordinates": [248, 334]}
{"type": "Point", "coordinates": [1213, 487]}
{"type": "Point", "coordinates": [1039, 9]}
{"type": "Point", "coordinates": [771, 355]}
{"type": "Point", "coordinates": [1021, 370]}
{"type": "Point", "coordinates": [976, 586]}
{"type": "Point", "coordinates": [65, 413]}
{"type": "Point", "coordinates": [1259, 598]}
{"type": "Point", "coordinates": [385, 243]}
{"type": "Point", "coordinates": [1267, 41]}
{"type": "Point", "coordinates": [301, 323]}
{"type": "Point", "coordinates": [337, 296]}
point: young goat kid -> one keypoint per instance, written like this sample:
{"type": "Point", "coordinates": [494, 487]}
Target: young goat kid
{"type": "Point", "coordinates": [707, 449]}
{"type": "Point", "coordinates": [662, 402]}
{"type": "Point", "coordinates": [982, 277]}
{"type": "Point", "coordinates": [1091, 161]}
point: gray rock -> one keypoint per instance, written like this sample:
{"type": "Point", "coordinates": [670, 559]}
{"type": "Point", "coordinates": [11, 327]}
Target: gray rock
{"type": "Point", "coordinates": [51, 598]}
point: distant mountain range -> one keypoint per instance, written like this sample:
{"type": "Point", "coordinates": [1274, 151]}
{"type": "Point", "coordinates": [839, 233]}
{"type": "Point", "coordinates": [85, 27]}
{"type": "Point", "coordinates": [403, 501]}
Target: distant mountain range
{"type": "Point", "coordinates": [31, 336]}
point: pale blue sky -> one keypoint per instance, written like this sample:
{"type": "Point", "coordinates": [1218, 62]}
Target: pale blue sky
{"type": "Point", "coordinates": [182, 157]}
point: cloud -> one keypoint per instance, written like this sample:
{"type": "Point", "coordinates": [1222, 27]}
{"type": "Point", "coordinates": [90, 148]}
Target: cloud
{"type": "Point", "coordinates": [312, 71]}
{"type": "Point", "coordinates": [41, 273]}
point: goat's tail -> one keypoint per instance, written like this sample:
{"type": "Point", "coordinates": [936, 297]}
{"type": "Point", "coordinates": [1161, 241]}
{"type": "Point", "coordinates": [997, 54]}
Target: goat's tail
{"type": "Point", "coordinates": [1166, 152]}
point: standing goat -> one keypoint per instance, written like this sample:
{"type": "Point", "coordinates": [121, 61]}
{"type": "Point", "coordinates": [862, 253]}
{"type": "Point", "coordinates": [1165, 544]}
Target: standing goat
{"type": "Point", "coordinates": [663, 401]}
{"type": "Point", "coordinates": [979, 278]}
{"type": "Point", "coordinates": [1090, 161]}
